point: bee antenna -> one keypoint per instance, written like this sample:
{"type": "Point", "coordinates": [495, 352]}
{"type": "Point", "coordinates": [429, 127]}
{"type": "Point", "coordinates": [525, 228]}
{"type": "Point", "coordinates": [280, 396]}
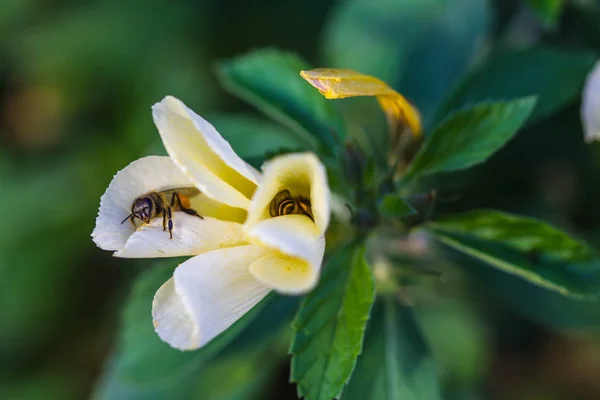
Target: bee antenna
{"type": "Point", "coordinates": [126, 218]}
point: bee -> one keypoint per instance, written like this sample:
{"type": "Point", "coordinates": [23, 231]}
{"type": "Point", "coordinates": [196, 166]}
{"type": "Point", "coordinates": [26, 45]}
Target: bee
{"type": "Point", "coordinates": [285, 204]}
{"type": "Point", "coordinates": [154, 204]}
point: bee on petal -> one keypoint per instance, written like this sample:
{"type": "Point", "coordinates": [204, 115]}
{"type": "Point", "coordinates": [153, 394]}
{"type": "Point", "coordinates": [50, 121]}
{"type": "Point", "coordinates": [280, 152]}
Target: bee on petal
{"type": "Point", "coordinates": [163, 203]}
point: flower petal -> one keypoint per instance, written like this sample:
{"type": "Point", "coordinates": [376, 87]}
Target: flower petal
{"type": "Point", "coordinates": [141, 176]}
{"type": "Point", "coordinates": [191, 236]}
{"type": "Point", "coordinates": [590, 105]}
{"type": "Point", "coordinates": [303, 175]}
{"type": "Point", "coordinates": [172, 320]}
{"type": "Point", "coordinates": [336, 83]}
{"type": "Point", "coordinates": [294, 265]}
{"type": "Point", "coordinates": [210, 292]}
{"type": "Point", "coordinates": [202, 154]}
{"type": "Point", "coordinates": [285, 274]}
{"type": "Point", "coordinates": [145, 175]}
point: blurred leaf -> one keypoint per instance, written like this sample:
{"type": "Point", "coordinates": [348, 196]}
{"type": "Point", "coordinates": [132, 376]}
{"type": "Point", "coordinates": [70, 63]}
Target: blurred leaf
{"type": "Point", "coordinates": [525, 247]}
{"type": "Point", "coordinates": [264, 343]}
{"type": "Point", "coordinates": [457, 334]}
{"type": "Point", "coordinates": [12, 13]}
{"type": "Point", "coordinates": [238, 367]}
{"type": "Point", "coordinates": [533, 301]}
{"type": "Point", "coordinates": [415, 46]}
{"type": "Point", "coordinates": [396, 362]}
{"type": "Point", "coordinates": [53, 212]}
{"type": "Point", "coordinates": [330, 325]}
{"type": "Point", "coordinates": [554, 76]}
{"type": "Point", "coordinates": [547, 11]}
{"type": "Point", "coordinates": [57, 227]}
{"type": "Point", "coordinates": [393, 205]}
{"type": "Point", "coordinates": [270, 80]}
{"type": "Point", "coordinates": [107, 36]}
{"type": "Point", "coordinates": [141, 357]}
{"type": "Point", "coordinates": [470, 136]}
{"type": "Point", "coordinates": [252, 137]}
{"type": "Point", "coordinates": [29, 282]}
{"type": "Point", "coordinates": [54, 383]}
{"type": "Point", "coordinates": [265, 339]}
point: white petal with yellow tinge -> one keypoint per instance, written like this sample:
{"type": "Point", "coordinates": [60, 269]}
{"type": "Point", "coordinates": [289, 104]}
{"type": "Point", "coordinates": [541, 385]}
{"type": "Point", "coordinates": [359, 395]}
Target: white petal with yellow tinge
{"type": "Point", "coordinates": [590, 105]}
{"type": "Point", "coordinates": [302, 174]}
{"type": "Point", "coordinates": [297, 241]}
{"type": "Point", "coordinates": [147, 174]}
{"type": "Point", "coordinates": [203, 155]}
{"type": "Point", "coordinates": [206, 295]}
{"type": "Point", "coordinates": [191, 236]}
{"type": "Point", "coordinates": [294, 264]}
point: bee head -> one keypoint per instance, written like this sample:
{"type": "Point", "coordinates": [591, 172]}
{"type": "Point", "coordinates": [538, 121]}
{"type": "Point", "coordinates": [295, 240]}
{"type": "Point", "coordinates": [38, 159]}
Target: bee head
{"type": "Point", "coordinates": [142, 209]}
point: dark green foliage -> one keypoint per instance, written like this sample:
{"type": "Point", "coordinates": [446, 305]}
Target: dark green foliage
{"type": "Point", "coordinates": [469, 136]}
{"type": "Point", "coordinates": [396, 362]}
{"type": "Point", "coordinates": [525, 247]}
{"type": "Point", "coordinates": [330, 325]}
{"type": "Point", "coordinates": [270, 80]}
{"type": "Point", "coordinates": [554, 76]}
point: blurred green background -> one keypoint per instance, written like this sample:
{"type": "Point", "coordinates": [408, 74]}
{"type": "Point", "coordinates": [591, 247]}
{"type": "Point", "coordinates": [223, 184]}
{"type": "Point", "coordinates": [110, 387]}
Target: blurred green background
{"type": "Point", "coordinates": [77, 79]}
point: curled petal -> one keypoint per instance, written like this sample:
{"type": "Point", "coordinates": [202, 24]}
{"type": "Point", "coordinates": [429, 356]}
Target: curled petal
{"type": "Point", "coordinates": [191, 236]}
{"type": "Point", "coordinates": [203, 155]}
{"type": "Point", "coordinates": [336, 83]}
{"type": "Point", "coordinates": [206, 295]}
{"type": "Point", "coordinates": [302, 174]}
{"type": "Point", "coordinates": [294, 264]}
{"type": "Point", "coordinates": [141, 176]}
{"type": "Point", "coordinates": [590, 105]}
{"type": "Point", "coordinates": [172, 320]}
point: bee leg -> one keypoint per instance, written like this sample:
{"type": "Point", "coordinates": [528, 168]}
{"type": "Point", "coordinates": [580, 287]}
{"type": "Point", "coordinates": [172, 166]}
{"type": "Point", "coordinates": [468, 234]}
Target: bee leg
{"type": "Point", "coordinates": [170, 222]}
{"type": "Point", "coordinates": [164, 215]}
{"type": "Point", "coordinates": [188, 211]}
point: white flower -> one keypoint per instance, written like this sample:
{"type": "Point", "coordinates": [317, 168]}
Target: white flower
{"type": "Point", "coordinates": [242, 249]}
{"type": "Point", "coordinates": [590, 105]}
{"type": "Point", "coordinates": [300, 240]}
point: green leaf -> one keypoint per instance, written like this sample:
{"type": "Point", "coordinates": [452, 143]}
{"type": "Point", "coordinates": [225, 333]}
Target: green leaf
{"type": "Point", "coordinates": [59, 226]}
{"type": "Point", "coordinates": [237, 367]}
{"type": "Point", "coordinates": [415, 46]}
{"type": "Point", "coordinates": [547, 11]}
{"type": "Point", "coordinates": [554, 76]}
{"type": "Point", "coordinates": [141, 356]}
{"type": "Point", "coordinates": [270, 80]}
{"type": "Point", "coordinates": [253, 137]}
{"type": "Point", "coordinates": [524, 247]}
{"type": "Point", "coordinates": [393, 205]}
{"type": "Point", "coordinates": [330, 325]}
{"type": "Point", "coordinates": [239, 370]}
{"type": "Point", "coordinates": [470, 136]}
{"type": "Point", "coordinates": [55, 382]}
{"type": "Point", "coordinates": [532, 301]}
{"type": "Point", "coordinates": [396, 362]}
{"type": "Point", "coordinates": [264, 338]}
{"type": "Point", "coordinates": [457, 334]}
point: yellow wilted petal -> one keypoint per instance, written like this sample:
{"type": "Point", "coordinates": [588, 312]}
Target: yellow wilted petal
{"type": "Point", "coordinates": [334, 83]}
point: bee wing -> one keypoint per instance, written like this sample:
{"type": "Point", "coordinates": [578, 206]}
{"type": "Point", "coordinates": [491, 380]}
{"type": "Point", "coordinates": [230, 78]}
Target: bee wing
{"type": "Point", "coordinates": [188, 192]}
{"type": "Point", "coordinates": [184, 194]}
